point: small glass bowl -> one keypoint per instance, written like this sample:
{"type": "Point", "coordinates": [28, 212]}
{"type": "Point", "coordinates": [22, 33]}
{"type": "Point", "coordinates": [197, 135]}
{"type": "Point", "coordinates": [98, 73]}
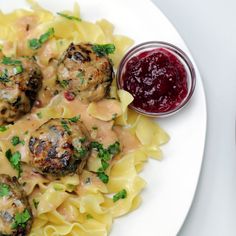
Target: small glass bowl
{"type": "Point", "coordinates": [180, 55]}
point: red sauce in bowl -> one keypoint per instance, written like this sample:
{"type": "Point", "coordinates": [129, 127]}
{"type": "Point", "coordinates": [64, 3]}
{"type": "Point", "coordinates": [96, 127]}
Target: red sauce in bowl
{"type": "Point", "coordinates": [157, 79]}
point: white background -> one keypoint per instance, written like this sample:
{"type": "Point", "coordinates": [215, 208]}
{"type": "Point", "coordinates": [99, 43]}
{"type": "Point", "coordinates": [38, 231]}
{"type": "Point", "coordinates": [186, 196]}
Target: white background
{"type": "Point", "coordinates": [209, 29]}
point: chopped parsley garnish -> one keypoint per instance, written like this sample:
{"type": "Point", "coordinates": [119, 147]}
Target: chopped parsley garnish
{"type": "Point", "coordinates": [103, 177]}
{"type": "Point", "coordinates": [26, 132]}
{"type": "Point", "coordinates": [4, 190]}
{"type": "Point", "coordinates": [96, 145]}
{"type": "Point", "coordinates": [37, 43]}
{"type": "Point", "coordinates": [17, 70]}
{"type": "Point", "coordinates": [44, 37]}
{"type": "Point", "coordinates": [94, 127]}
{"type": "Point", "coordinates": [34, 44]}
{"type": "Point", "coordinates": [16, 140]}
{"type": "Point", "coordinates": [3, 128]}
{"type": "Point", "coordinates": [105, 155]}
{"type": "Point", "coordinates": [82, 152]}
{"type": "Point", "coordinates": [21, 219]}
{"type": "Point", "coordinates": [103, 49]}
{"type": "Point", "coordinates": [10, 61]}
{"type": "Point", "coordinates": [64, 83]}
{"type": "Point", "coordinates": [15, 160]}
{"type": "Point", "coordinates": [39, 115]}
{"type": "Point", "coordinates": [74, 119]}
{"type": "Point", "coordinates": [69, 17]}
{"type": "Point", "coordinates": [66, 127]}
{"type": "Point", "coordinates": [114, 148]}
{"type": "Point", "coordinates": [120, 195]}
{"type": "Point", "coordinates": [104, 165]}
{"type": "Point", "coordinates": [36, 203]}
{"type": "Point", "coordinates": [4, 76]}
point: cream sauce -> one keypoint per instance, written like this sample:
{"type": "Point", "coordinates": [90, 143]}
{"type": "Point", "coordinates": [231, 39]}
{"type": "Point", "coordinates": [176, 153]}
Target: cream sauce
{"type": "Point", "coordinates": [58, 107]}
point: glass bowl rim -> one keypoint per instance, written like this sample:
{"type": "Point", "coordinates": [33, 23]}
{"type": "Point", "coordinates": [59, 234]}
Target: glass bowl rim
{"type": "Point", "coordinates": [177, 51]}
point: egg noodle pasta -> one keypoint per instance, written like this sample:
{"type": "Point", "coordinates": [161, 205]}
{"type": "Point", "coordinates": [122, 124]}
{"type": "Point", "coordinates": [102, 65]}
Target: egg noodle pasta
{"type": "Point", "coordinates": [79, 204]}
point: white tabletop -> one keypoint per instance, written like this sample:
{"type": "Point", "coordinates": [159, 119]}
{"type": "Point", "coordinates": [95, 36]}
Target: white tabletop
{"type": "Point", "coordinates": [209, 29]}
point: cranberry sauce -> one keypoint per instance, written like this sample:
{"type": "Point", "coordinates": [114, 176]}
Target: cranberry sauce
{"type": "Point", "coordinates": [156, 79]}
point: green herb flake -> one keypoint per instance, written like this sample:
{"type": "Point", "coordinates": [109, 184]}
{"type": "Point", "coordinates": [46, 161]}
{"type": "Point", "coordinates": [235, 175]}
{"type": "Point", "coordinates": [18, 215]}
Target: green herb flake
{"type": "Point", "coordinates": [114, 148]}
{"type": "Point", "coordinates": [120, 195]}
{"type": "Point", "coordinates": [10, 61]}
{"type": "Point", "coordinates": [26, 132]}
{"type": "Point", "coordinates": [4, 76]}
{"type": "Point", "coordinates": [3, 128]}
{"type": "Point", "coordinates": [82, 152]}
{"type": "Point", "coordinates": [4, 190]}
{"type": "Point", "coordinates": [104, 165]}
{"type": "Point", "coordinates": [34, 44]}
{"type": "Point", "coordinates": [69, 17]}
{"type": "Point", "coordinates": [96, 145]}
{"type": "Point", "coordinates": [37, 43]}
{"type": "Point", "coordinates": [88, 216]}
{"type": "Point", "coordinates": [16, 140]}
{"type": "Point", "coordinates": [95, 128]}
{"type": "Point", "coordinates": [15, 160]}
{"type": "Point", "coordinates": [21, 219]}
{"type": "Point", "coordinates": [22, 142]}
{"type": "Point", "coordinates": [39, 115]}
{"type": "Point", "coordinates": [17, 70]}
{"type": "Point", "coordinates": [104, 154]}
{"type": "Point", "coordinates": [103, 49]}
{"type": "Point", "coordinates": [74, 119]}
{"type": "Point", "coordinates": [64, 83]}
{"type": "Point", "coordinates": [36, 203]}
{"type": "Point", "coordinates": [66, 127]}
{"type": "Point", "coordinates": [103, 177]}
{"type": "Point", "coordinates": [44, 37]}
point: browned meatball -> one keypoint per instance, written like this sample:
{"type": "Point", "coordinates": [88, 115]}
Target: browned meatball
{"type": "Point", "coordinates": [82, 72]}
{"type": "Point", "coordinates": [15, 212]}
{"type": "Point", "coordinates": [20, 80]}
{"type": "Point", "coordinates": [59, 147]}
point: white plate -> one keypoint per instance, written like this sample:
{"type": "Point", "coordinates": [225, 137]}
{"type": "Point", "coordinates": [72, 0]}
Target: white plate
{"type": "Point", "coordinates": [172, 182]}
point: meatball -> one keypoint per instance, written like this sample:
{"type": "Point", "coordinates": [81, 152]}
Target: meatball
{"type": "Point", "coordinates": [15, 213]}
{"type": "Point", "coordinates": [82, 72]}
{"type": "Point", "coordinates": [59, 147]}
{"type": "Point", "coordinates": [20, 80]}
